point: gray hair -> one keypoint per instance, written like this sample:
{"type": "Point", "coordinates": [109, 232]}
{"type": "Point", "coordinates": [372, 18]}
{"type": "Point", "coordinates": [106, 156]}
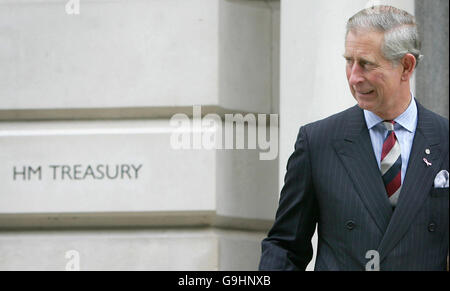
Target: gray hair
{"type": "Point", "coordinates": [399, 27]}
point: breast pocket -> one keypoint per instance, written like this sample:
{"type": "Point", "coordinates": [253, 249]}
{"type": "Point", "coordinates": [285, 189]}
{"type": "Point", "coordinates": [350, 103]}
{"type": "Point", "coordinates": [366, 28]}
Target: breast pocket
{"type": "Point", "coordinates": [440, 192]}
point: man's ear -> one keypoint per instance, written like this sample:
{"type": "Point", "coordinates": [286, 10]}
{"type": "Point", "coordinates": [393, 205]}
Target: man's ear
{"type": "Point", "coordinates": [409, 64]}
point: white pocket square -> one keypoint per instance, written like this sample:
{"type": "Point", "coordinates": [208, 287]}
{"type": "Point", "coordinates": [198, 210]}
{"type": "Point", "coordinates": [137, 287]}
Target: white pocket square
{"type": "Point", "coordinates": [441, 180]}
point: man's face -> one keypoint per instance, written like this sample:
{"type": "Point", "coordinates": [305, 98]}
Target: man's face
{"type": "Point", "coordinates": [374, 81]}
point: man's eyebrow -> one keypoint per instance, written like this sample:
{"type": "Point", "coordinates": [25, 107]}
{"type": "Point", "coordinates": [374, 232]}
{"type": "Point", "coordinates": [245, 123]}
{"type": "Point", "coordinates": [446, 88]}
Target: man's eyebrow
{"type": "Point", "coordinates": [348, 57]}
{"type": "Point", "coordinates": [364, 60]}
{"type": "Point", "coordinates": [361, 59]}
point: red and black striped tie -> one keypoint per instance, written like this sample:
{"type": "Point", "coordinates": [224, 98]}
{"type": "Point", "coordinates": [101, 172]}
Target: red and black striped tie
{"type": "Point", "coordinates": [391, 164]}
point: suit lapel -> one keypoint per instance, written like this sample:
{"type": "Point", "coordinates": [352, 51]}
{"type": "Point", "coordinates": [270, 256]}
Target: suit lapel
{"type": "Point", "coordinates": [418, 181]}
{"type": "Point", "coordinates": [356, 153]}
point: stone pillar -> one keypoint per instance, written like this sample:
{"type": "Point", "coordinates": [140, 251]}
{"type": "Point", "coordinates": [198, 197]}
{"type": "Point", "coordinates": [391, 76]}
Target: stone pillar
{"type": "Point", "coordinates": [87, 160]}
{"type": "Point", "coordinates": [432, 74]}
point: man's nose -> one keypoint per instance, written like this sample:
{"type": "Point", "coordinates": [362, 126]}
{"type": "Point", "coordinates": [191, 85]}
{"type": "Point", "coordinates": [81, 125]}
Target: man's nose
{"type": "Point", "coordinates": [356, 75]}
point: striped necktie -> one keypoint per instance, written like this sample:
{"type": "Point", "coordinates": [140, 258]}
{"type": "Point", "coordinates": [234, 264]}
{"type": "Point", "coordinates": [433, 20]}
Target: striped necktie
{"type": "Point", "coordinates": [391, 164]}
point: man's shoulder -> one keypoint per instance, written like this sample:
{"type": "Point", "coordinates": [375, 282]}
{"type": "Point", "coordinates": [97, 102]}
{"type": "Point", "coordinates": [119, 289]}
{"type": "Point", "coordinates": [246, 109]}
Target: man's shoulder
{"type": "Point", "coordinates": [336, 123]}
{"type": "Point", "coordinates": [439, 121]}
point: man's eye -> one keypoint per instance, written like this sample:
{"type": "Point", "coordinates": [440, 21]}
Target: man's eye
{"type": "Point", "coordinates": [366, 65]}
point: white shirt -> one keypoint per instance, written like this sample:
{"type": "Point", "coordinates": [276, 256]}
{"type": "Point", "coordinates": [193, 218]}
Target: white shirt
{"type": "Point", "coordinates": [405, 129]}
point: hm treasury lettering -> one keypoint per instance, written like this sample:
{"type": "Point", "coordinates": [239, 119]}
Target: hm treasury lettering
{"type": "Point", "coordinates": [78, 172]}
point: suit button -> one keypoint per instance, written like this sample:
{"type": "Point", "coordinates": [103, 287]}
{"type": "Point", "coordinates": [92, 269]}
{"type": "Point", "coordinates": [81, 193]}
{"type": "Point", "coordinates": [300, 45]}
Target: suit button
{"type": "Point", "coordinates": [431, 227]}
{"type": "Point", "coordinates": [350, 224]}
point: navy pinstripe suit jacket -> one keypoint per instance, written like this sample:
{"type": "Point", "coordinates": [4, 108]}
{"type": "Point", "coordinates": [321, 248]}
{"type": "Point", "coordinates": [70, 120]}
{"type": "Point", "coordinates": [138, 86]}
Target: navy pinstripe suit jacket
{"type": "Point", "coordinates": [333, 180]}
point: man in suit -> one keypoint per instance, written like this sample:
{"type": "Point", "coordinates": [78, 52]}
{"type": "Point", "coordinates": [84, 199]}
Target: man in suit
{"type": "Point", "coordinates": [373, 178]}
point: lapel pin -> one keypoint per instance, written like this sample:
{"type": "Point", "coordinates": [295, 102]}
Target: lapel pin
{"type": "Point", "coordinates": [427, 162]}
{"type": "Point", "coordinates": [427, 151]}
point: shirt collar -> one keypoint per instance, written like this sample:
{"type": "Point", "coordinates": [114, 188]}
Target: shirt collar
{"type": "Point", "coordinates": [408, 119]}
